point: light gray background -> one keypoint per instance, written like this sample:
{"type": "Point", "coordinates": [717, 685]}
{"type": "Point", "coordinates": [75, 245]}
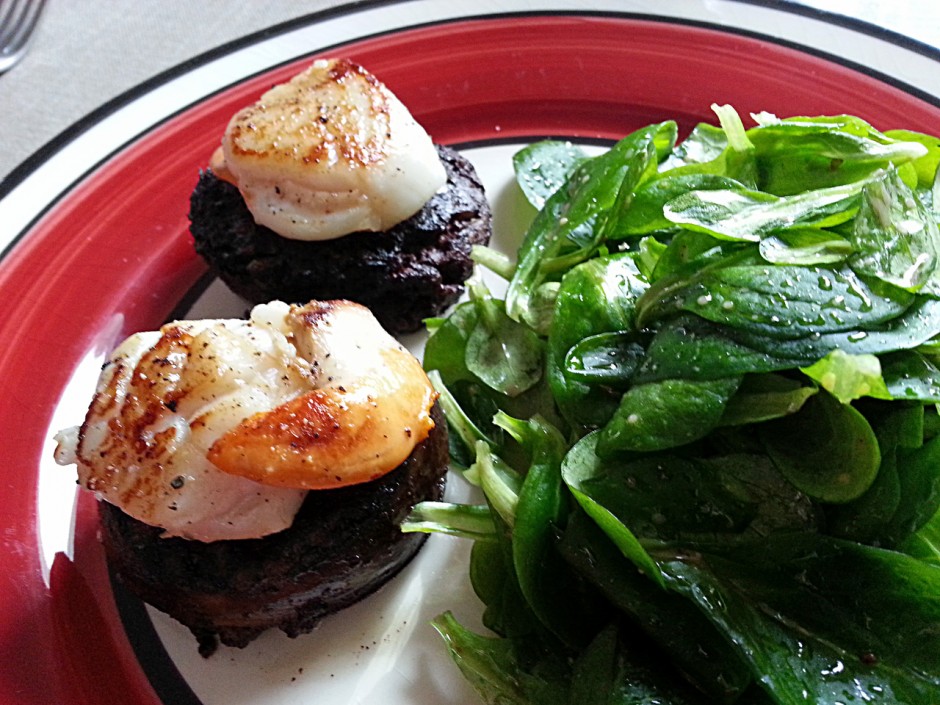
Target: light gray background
{"type": "Point", "coordinates": [86, 52]}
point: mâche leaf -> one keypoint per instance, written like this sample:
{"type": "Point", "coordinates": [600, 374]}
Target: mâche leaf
{"type": "Point", "coordinates": [673, 412]}
{"type": "Point", "coordinates": [699, 650]}
{"type": "Point", "coordinates": [849, 377]}
{"type": "Point", "coordinates": [605, 358]}
{"type": "Point", "coordinates": [762, 397]}
{"type": "Point", "coordinates": [466, 521]}
{"type": "Point", "coordinates": [783, 301]}
{"type": "Point", "coordinates": [926, 165]}
{"type": "Point", "coordinates": [820, 604]}
{"type": "Point", "coordinates": [595, 298]}
{"type": "Point", "coordinates": [746, 215]}
{"type": "Point", "coordinates": [646, 214]}
{"type": "Point", "coordinates": [827, 450]}
{"type": "Point", "coordinates": [799, 154]}
{"type": "Point", "coordinates": [544, 579]}
{"type": "Point", "coordinates": [895, 238]}
{"type": "Point", "coordinates": [805, 246]}
{"type": "Point", "coordinates": [505, 354]}
{"type": "Point", "coordinates": [704, 423]}
{"type": "Point", "coordinates": [574, 217]}
{"type": "Point", "coordinates": [543, 167]}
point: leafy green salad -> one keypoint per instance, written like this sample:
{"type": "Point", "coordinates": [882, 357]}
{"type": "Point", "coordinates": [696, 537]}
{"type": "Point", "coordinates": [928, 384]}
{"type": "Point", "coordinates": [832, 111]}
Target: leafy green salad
{"type": "Point", "coordinates": [704, 420]}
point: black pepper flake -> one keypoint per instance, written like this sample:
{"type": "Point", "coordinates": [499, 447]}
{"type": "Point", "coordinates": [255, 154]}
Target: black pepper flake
{"type": "Point", "coordinates": [177, 482]}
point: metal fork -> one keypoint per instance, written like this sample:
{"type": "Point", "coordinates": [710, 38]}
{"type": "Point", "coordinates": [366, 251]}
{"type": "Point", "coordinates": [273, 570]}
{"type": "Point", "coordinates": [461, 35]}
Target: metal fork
{"type": "Point", "coordinates": [18, 19]}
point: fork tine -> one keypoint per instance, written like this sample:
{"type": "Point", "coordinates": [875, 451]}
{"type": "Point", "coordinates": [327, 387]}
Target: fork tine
{"type": "Point", "coordinates": [19, 22]}
{"type": "Point", "coordinates": [25, 22]}
{"type": "Point", "coordinates": [7, 10]}
{"type": "Point", "coordinates": [8, 13]}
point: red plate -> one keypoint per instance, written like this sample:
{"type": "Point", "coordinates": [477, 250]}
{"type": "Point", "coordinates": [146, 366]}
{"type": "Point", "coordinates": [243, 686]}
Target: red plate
{"type": "Point", "coordinates": [113, 255]}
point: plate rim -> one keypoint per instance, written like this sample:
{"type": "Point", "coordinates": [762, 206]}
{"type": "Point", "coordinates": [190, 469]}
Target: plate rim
{"type": "Point", "coordinates": [189, 65]}
{"type": "Point", "coordinates": [69, 134]}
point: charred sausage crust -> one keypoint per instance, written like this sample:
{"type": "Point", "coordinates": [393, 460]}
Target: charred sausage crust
{"type": "Point", "coordinates": [344, 544]}
{"type": "Point", "coordinates": [411, 272]}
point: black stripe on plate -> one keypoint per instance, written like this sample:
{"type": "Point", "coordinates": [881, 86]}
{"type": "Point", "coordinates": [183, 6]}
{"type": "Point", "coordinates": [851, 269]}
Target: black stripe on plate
{"type": "Point", "coordinates": [82, 125]}
{"type": "Point", "coordinates": [167, 682]}
{"type": "Point", "coordinates": [165, 678]}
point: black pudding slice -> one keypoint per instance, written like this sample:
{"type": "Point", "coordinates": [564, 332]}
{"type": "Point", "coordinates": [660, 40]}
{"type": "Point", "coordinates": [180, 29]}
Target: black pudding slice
{"type": "Point", "coordinates": [411, 272]}
{"type": "Point", "coordinates": [343, 545]}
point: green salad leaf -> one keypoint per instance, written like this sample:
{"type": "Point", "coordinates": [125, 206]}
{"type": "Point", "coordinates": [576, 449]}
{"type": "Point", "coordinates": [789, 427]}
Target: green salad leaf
{"type": "Point", "coordinates": [572, 223]}
{"type": "Point", "coordinates": [542, 168]}
{"type": "Point", "coordinates": [704, 422]}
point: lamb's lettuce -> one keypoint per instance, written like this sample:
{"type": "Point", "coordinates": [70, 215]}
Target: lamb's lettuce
{"type": "Point", "coordinates": [704, 422]}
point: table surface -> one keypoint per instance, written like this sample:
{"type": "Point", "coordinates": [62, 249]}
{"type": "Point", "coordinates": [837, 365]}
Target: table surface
{"type": "Point", "coordinates": [85, 54]}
